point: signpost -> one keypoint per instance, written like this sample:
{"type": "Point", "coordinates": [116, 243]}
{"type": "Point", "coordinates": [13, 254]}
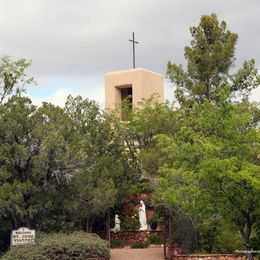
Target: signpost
{"type": "Point", "coordinates": [22, 236]}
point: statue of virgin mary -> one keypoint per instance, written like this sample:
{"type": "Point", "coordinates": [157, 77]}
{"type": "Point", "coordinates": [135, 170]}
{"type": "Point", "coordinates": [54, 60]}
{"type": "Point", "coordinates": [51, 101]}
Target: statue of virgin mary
{"type": "Point", "coordinates": [142, 216]}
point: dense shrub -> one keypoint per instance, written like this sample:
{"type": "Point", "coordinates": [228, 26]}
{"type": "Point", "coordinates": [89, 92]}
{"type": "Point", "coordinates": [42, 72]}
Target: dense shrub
{"type": "Point", "coordinates": [130, 224]}
{"type": "Point", "coordinates": [140, 244]}
{"type": "Point", "coordinates": [142, 187]}
{"type": "Point", "coordinates": [77, 245]}
{"type": "Point", "coordinates": [117, 243]}
{"type": "Point", "coordinates": [156, 239]}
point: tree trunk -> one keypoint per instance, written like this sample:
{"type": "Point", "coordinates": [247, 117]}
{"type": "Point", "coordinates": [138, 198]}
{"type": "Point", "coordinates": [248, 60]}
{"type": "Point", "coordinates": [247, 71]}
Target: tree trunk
{"type": "Point", "coordinates": [165, 232]}
{"type": "Point", "coordinates": [13, 222]}
{"type": "Point", "coordinates": [89, 224]}
{"type": "Point", "coordinates": [245, 234]}
{"type": "Point", "coordinates": [108, 225]}
{"type": "Point", "coordinates": [27, 220]}
{"type": "Point", "coordinates": [26, 199]}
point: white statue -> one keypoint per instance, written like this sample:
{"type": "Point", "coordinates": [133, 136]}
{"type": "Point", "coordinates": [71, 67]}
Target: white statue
{"type": "Point", "coordinates": [117, 224]}
{"type": "Point", "coordinates": [142, 216]}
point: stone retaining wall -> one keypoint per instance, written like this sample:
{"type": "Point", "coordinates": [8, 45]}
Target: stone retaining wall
{"type": "Point", "coordinates": [207, 257]}
{"type": "Point", "coordinates": [176, 253]}
{"type": "Point", "coordinates": [95, 258]}
{"type": "Point", "coordinates": [133, 236]}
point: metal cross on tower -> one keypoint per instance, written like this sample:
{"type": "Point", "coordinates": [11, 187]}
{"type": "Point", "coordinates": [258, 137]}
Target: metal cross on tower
{"type": "Point", "coordinates": [134, 42]}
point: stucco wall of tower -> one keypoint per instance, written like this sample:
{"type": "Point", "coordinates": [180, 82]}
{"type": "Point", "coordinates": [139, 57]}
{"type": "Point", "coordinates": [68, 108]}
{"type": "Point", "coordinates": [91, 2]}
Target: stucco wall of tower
{"type": "Point", "coordinates": [144, 84]}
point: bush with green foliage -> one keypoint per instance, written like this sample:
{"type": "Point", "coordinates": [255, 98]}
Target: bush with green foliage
{"type": "Point", "coordinates": [228, 239]}
{"type": "Point", "coordinates": [142, 187]}
{"type": "Point", "coordinates": [156, 239]}
{"type": "Point", "coordinates": [117, 243]}
{"type": "Point", "coordinates": [130, 224]}
{"type": "Point", "coordinates": [78, 245]}
{"type": "Point", "coordinates": [140, 244]}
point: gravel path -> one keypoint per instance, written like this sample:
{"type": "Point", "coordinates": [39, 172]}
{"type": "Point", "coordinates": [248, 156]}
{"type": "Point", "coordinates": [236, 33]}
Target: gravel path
{"type": "Point", "coordinates": [137, 254]}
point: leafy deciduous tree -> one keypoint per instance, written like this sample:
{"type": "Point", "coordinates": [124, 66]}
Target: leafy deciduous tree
{"type": "Point", "coordinates": [212, 165]}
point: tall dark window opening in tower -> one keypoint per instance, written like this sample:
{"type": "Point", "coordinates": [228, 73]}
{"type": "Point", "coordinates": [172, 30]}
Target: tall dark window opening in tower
{"type": "Point", "coordinates": [126, 101]}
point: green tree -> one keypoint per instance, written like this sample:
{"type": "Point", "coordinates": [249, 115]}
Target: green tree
{"type": "Point", "coordinates": [211, 166]}
{"type": "Point", "coordinates": [106, 170]}
{"type": "Point", "coordinates": [12, 76]}
{"type": "Point", "coordinates": [144, 122]}
{"type": "Point", "coordinates": [59, 166]}
{"type": "Point", "coordinates": [16, 127]}
{"type": "Point", "coordinates": [35, 159]}
{"type": "Point", "coordinates": [210, 57]}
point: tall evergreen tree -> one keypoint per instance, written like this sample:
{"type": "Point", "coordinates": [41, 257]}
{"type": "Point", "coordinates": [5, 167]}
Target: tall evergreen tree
{"type": "Point", "coordinates": [210, 58]}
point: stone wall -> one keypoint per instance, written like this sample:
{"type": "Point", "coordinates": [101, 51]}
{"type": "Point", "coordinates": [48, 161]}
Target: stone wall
{"type": "Point", "coordinates": [133, 236]}
{"type": "Point", "coordinates": [176, 253]}
{"type": "Point", "coordinates": [207, 257]}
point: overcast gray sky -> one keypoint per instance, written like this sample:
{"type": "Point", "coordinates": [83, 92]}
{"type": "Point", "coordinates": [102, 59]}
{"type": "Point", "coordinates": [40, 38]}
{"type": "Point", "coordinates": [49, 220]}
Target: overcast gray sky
{"type": "Point", "coordinates": [74, 43]}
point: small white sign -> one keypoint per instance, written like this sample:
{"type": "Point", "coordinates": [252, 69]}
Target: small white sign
{"type": "Point", "coordinates": [22, 236]}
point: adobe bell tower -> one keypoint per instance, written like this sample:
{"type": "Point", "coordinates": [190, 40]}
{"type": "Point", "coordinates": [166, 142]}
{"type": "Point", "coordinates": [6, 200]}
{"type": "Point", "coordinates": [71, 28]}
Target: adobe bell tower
{"type": "Point", "coordinates": [134, 85]}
